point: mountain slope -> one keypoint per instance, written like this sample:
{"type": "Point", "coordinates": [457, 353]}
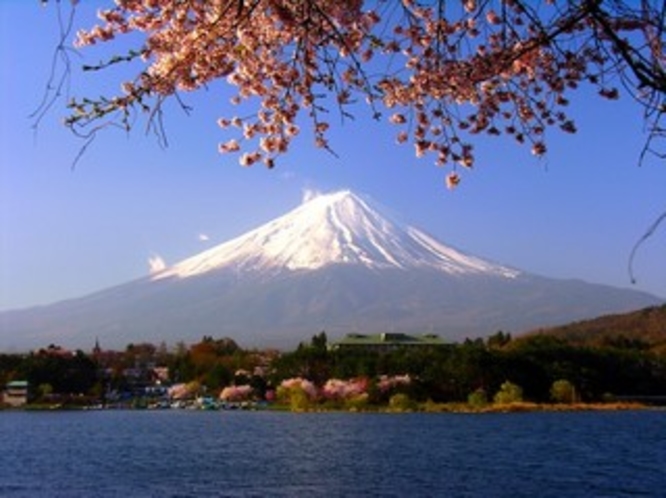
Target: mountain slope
{"type": "Point", "coordinates": [335, 264]}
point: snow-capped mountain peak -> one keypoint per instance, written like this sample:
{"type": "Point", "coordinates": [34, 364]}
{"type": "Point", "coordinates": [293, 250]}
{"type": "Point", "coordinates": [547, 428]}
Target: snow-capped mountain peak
{"type": "Point", "coordinates": [336, 228]}
{"type": "Point", "coordinates": [335, 263]}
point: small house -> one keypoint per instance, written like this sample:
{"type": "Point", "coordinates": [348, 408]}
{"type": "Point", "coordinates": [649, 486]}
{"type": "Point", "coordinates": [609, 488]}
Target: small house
{"type": "Point", "coordinates": [16, 393]}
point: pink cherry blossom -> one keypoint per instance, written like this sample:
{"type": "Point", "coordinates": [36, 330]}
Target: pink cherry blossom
{"type": "Point", "coordinates": [445, 71]}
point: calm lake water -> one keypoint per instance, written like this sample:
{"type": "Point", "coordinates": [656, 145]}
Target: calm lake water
{"type": "Point", "coordinates": [238, 454]}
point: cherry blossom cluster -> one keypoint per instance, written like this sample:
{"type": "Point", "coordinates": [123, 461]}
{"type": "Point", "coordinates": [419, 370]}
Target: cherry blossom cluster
{"type": "Point", "coordinates": [180, 391]}
{"type": "Point", "coordinates": [344, 389]}
{"type": "Point", "coordinates": [338, 389]}
{"type": "Point", "coordinates": [305, 385]}
{"type": "Point", "coordinates": [387, 383]}
{"type": "Point", "coordinates": [237, 393]}
{"type": "Point", "coordinates": [444, 72]}
{"type": "Point", "coordinates": [280, 54]}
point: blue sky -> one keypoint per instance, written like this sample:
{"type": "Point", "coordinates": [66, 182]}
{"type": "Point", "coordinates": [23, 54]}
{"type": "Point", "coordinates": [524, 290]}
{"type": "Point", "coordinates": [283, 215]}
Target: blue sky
{"type": "Point", "coordinates": [65, 233]}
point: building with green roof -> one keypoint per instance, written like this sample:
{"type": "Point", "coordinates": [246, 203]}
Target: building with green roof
{"type": "Point", "coordinates": [16, 393]}
{"type": "Point", "coordinates": [386, 341]}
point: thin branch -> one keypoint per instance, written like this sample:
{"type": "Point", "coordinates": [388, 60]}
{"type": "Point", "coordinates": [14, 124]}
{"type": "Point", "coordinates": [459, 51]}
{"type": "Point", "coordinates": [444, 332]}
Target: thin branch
{"type": "Point", "coordinates": [56, 80]}
{"type": "Point", "coordinates": [650, 231]}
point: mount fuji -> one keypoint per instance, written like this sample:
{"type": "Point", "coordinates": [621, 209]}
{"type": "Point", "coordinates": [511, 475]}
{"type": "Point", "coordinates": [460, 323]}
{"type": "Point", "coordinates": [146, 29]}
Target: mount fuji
{"type": "Point", "coordinates": [334, 229]}
{"type": "Point", "coordinates": [335, 263]}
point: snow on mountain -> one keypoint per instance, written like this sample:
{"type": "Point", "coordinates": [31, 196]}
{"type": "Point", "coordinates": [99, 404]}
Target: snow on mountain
{"type": "Point", "coordinates": [338, 228]}
{"type": "Point", "coordinates": [335, 263]}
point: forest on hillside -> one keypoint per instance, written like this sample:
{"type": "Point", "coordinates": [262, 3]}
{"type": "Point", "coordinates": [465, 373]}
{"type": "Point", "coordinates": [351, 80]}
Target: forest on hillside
{"type": "Point", "coordinates": [645, 329]}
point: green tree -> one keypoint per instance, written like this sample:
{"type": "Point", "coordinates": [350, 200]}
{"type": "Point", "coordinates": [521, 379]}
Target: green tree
{"type": "Point", "coordinates": [498, 340]}
{"type": "Point", "coordinates": [9, 367]}
{"type": "Point", "coordinates": [311, 361]}
{"type": "Point", "coordinates": [563, 391]}
{"type": "Point", "coordinates": [401, 402]}
{"type": "Point", "coordinates": [67, 373]}
{"type": "Point", "coordinates": [477, 398]}
{"type": "Point", "coordinates": [216, 377]}
{"type": "Point", "coordinates": [508, 393]}
{"type": "Point", "coordinates": [471, 365]}
{"type": "Point", "coordinates": [44, 390]}
{"type": "Point", "coordinates": [295, 398]}
{"type": "Point", "coordinates": [319, 342]}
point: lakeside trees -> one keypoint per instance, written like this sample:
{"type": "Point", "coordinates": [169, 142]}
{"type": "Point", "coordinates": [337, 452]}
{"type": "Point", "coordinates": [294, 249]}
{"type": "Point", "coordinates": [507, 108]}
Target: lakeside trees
{"type": "Point", "coordinates": [536, 368]}
{"type": "Point", "coordinates": [444, 73]}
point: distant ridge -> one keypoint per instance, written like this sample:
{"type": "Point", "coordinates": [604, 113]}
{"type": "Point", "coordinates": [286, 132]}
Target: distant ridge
{"type": "Point", "coordinates": [335, 263]}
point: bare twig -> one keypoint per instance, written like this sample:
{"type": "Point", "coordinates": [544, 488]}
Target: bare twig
{"type": "Point", "coordinates": [650, 231]}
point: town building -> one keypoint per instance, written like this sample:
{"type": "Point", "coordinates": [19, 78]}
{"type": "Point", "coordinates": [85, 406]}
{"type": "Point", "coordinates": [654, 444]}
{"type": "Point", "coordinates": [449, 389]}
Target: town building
{"type": "Point", "coordinates": [384, 342]}
{"type": "Point", "coordinates": [16, 393]}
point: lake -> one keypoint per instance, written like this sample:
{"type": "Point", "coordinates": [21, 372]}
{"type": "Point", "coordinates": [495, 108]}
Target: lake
{"type": "Point", "coordinates": [183, 454]}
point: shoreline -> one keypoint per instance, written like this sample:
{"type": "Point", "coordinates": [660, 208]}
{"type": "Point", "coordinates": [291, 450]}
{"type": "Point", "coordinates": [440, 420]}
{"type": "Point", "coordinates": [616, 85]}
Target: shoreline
{"type": "Point", "coordinates": [526, 407]}
{"type": "Point", "coordinates": [428, 407]}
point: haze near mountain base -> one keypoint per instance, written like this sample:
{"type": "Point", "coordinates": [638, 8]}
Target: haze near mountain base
{"type": "Point", "coordinates": [336, 263]}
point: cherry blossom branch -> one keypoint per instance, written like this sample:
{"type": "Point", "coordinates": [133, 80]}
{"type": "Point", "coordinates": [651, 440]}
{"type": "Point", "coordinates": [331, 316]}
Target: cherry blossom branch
{"type": "Point", "coordinates": [453, 70]}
